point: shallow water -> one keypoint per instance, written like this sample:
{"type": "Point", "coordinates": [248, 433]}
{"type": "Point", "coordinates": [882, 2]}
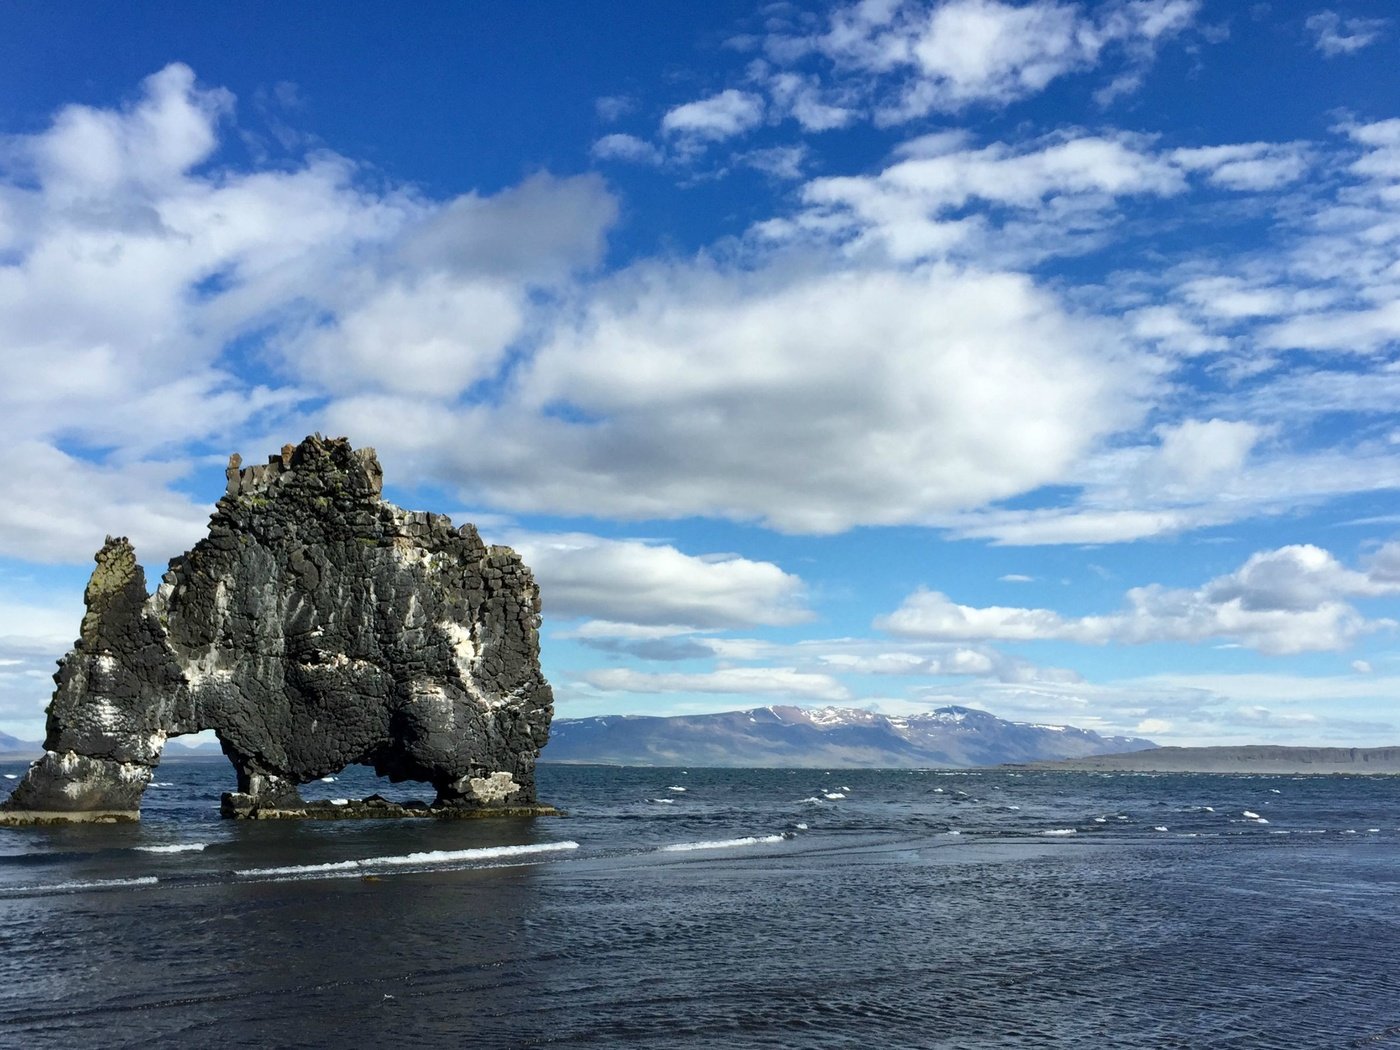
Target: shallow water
{"type": "Point", "coordinates": [920, 909]}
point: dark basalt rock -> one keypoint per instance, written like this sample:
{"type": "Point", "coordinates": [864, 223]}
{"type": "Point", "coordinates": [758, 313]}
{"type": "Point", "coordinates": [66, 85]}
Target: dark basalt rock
{"type": "Point", "coordinates": [315, 627]}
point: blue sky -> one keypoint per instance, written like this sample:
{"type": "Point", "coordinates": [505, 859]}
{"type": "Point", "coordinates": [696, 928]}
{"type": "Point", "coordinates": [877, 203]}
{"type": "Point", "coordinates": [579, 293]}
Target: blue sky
{"type": "Point", "coordinates": [1039, 357]}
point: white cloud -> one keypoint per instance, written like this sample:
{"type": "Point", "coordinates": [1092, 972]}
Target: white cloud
{"type": "Point", "coordinates": [1018, 202]}
{"type": "Point", "coordinates": [57, 508]}
{"type": "Point", "coordinates": [803, 99]}
{"type": "Point", "coordinates": [956, 661]}
{"type": "Point", "coordinates": [134, 276]}
{"type": "Point", "coordinates": [656, 585]}
{"type": "Point", "coordinates": [1334, 35]}
{"type": "Point", "coordinates": [811, 403]}
{"type": "Point", "coordinates": [1247, 166]}
{"type": "Point", "coordinates": [1175, 333]}
{"type": "Point", "coordinates": [1197, 455]}
{"type": "Point", "coordinates": [1288, 600]}
{"type": "Point", "coordinates": [741, 681]}
{"type": "Point", "coordinates": [781, 162]}
{"type": "Point", "coordinates": [720, 116]}
{"type": "Point", "coordinates": [626, 148]}
{"type": "Point", "coordinates": [434, 337]}
{"type": "Point", "coordinates": [944, 57]}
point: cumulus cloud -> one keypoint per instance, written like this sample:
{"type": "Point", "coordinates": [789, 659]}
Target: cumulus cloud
{"type": "Point", "coordinates": [1288, 600]}
{"type": "Point", "coordinates": [136, 277]}
{"type": "Point", "coordinates": [810, 403]}
{"type": "Point", "coordinates": [657, 586]}
{"type": "Point", "coordinates": [920, 57]}
{"type": "Point", "coordinates": [629, 148]}
{"type": "Point", "coordinates": [721, 116]}
{"type": "Point", "coordinates": [1335, 35]}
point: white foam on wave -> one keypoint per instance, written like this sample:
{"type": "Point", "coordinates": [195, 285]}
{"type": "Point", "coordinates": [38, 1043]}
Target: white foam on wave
{"type": "Point", "coordinates": [92, 884]}
{"type": "Point", "coordinates": [1100, 820]}
{"type": "Point", "coordinates": [675, 789]}
{"type": "Point", "coordinates": [175, 847]}
{"type": "Point", "coordinates": [328, 780]}
{"type": "Point", "coordinates": [1160, 827]}
{"type": "Point", "coordinates": [800, 827]}
{"type": "Point", "coordinates": [11, 776]}
{"type": "Point", "coordinates": [1059, 831]}
{"type": "Point", "coordinates": [1251, 815]}
{"type": "Point", "coordinates": [664, 801]}
{"type": "Point", "coordinates": [749, 840]}
{"type": "Point", "coordinates": [162, 784]}
{"type": "Point", "coordinates": [812, 799]}
{"type": "Point", "coordinates": [834, 795]}
{"type": "Point", "coordinates": [409, 860]}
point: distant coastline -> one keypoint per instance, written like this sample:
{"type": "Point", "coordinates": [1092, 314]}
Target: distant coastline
{"type": "Point", "coordinates": [1253, 758]}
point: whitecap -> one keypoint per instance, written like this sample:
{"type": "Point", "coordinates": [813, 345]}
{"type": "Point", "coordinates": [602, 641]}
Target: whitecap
{"type": "Point", "coordinates": [952, 833]}
{"type": "Point", "coordinates": [176, 847]}
{"type": "Point", "coordinates": [675, 789]}
{"type": "Point", "coordinates": [94, 884]}
{"type": "Point", "coordinates": [1059, 831]}
{"type": "Point", "coordinates": [1250, 815]}
{"type": "Point", "coordinates": [749, 840]}
{"type": "Point", "coordinates": [441, 856]}
{"type": "Point", "coordinates": [328, 780]}
{"type": "Point", "coordinates": [1100, 820]}
{"type": "Point", "coordinates": [340, 802]}
{"type": "Point", "coordinates": [833, 795]}
{"type": "Point", "coordinates": [664, 801]}
{"type": "Point", "coordinates": [161, 784]}
{"type": "Point", "coordinates": [800, 827]}
{"type": "Point", "coordinates": [1160, 827]}
{"type": "Point", "coordinates": [813, 800]}
{"type": "Point", "coordinates": [11, 776]}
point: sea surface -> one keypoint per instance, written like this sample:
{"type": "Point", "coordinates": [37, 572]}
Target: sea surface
{"type": "Point", "coordinates": [719, 908]}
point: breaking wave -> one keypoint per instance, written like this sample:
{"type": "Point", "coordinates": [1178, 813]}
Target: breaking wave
{"type": "Point", "coordinates": [177, 847]}
{"type": "Point", "coordinates": [408, 860]}
{"type": "Point", "coordinates": [751, 840]}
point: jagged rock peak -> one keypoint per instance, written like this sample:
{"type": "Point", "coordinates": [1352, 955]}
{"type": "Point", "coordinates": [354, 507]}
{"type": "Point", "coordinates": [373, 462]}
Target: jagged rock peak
{"type": "Point", "coordinates": [315, 627]}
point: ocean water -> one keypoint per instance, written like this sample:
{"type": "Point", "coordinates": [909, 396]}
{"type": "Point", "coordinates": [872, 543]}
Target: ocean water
{"type": "Point", "coordinates": [717, 908]}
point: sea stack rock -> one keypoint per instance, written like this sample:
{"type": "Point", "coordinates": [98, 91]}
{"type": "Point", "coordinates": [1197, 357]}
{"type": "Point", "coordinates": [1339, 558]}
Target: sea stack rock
{"type": "Point", "coordinates": [316, 626]}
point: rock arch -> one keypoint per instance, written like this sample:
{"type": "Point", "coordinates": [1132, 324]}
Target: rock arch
{"type": "Point", "coordinates": [316, 626]}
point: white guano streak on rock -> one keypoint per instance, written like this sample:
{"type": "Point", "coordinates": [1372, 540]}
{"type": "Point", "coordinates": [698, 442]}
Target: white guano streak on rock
{"type": "Point", "coordinates": [467, 657]}
{"type": "Point", "coordinates": [494, 788]}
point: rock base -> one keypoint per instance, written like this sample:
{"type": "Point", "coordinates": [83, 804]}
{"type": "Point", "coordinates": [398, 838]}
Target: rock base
{"type": "Point", "coordinates": [20, 818]}
{"type": "Point", "coordinates": [238, 806]}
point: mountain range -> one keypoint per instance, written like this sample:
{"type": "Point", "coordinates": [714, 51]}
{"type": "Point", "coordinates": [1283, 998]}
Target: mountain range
{"type": "Point", "coordinates": [825, 737]}
{"type": "Point", "coordinates": [14, 745]}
